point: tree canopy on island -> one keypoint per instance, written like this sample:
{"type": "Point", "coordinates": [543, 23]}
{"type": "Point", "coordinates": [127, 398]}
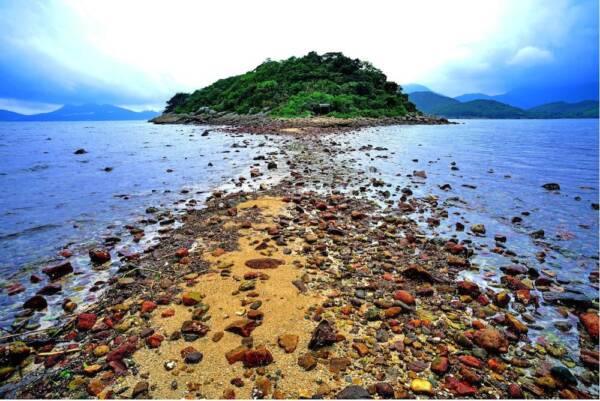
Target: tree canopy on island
{"type": "Point", "coordinates": [330, 84]}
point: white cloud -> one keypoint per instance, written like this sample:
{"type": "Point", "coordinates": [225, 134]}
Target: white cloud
{"type": "Point", "coordinates": [530, 56]}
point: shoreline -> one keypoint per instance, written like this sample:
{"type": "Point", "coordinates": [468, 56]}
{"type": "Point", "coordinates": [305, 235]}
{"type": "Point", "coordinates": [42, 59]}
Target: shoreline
{"type": "Point", "coordinates": [263, 124]}
{"type": "Point", "coordinates": [394, 301]}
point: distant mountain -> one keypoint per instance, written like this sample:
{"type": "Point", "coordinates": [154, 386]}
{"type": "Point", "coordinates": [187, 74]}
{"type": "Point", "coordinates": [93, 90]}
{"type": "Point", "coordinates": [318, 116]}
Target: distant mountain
{"type": "Point", "coordinates": [411, 88]}
{"type": "Point", "coordinates": [6, 115]}
{"type": "Point", "coordinates": [444, 106]}
{"type": "Point", "coordinates": [585, 109]}
{"type": "Point", "coordinates": [86, 112]}
{"type": "Point", "coordinates": [528, 97]}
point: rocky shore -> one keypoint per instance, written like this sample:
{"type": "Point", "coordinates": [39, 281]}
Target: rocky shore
{"type": "Point", "coordinates": [264, 124]}
{"type": "Point", "coordinates": [317, 286]}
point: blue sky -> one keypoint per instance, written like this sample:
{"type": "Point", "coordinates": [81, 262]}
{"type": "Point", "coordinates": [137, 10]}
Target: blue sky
{"type": "Point", "coordinates": [137, 54]}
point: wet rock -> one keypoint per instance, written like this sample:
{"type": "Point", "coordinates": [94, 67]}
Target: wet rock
{"type": "Point", "coordinates": [50, 289]}
{"type": "Point", "coordinates": [323, 335]}
{"type": "Point", "coordinates": [491, 340]}
{"type": "Point", "coordinates": [242, 327]}
{"type": "Point", "coordinates": [538, 234]}
{"type": "Point", "coordinates": [57, 271]}
{"type": "Point", "coordinates": [551, 186]}
{"type": "Point", "coordinates": [515, 392]}
{"type": "Point", "coordinates": [421, 386]}
{"type": "Point", "coordinates": [384, 390]}
{"type": "Point", "coordinates": [85, 321]}
{"type": "Point", "coordinates": [99, 256]}
{"type": "Point", "coordinates": [405, 297]}
{"type": "Point", "coordinates": [564, 375]}
{"type": "Point", "coordinates": [458, 387]}
{"type": "Point", "coordinates": [591, 323]}
{"type": "Point", "coordinates": [37, 302]}
{"type": "Point", "coordinates": [353, 392]}
{"type": "Point", "coordinates": [515, 324]}
{"type": "Point", "coordinates": [95, 387]}
{"type": "Point", "coordinates": [440, 365]}
{"type": "Point", "coordinates": [478, 229]}
{"type": "Point", "coordinates": [568, 298]}
{"type": "Point", "coordinates": [288, 342]}
{"type": "Point", "coordinates": [15, 289]}
{"type": "Point", "coordinates": [264, 263]}
{"type": "Point", "coordinates": [468, 288]}
{"type": "Point", "coordinates": [80, 151]}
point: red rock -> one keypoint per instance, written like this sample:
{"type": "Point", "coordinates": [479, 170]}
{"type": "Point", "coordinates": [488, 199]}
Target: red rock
{"type": "Point", "coordinates": [393, 312]}
{"type": "Point", "coordinates": [483, 299]}
{"type": "Point", "coordinates": [154, 340]}
{"type": "Point", "coordinates": [124, 350]}
{"type": "Point", "coordinates": [491, 340]}
{"type": "Point", "coordinates": [182, 252]}
{"type": "Point", "coordinates": [469, 375]}
{"type": "Point", "coordinates": [470, 361]}
{"type": "Point", "coordinates": [590, 358]}
{"type": "Point", "coordinates": [86, 321]}
{"type": "Point", "coordinates": [190, 298]}
{"type": "Point", "coordinates": [257, 357]}
{"type": "Point", "coordinates": [254, 314]}
{"type": "Point", "coordinates": [34, 278]}
{"type": "Point", "coordinates": [99, 256]}
{"type": "Point", "coordinates": [496, 365]}
{"type": "Point", "coordinates": [388, 277]}
{"type": "Point", "coordinates": [243, 327]}
{"type": "Point", "coordinates": [523, 296]}
{"type": "Point", "coordinates": [404, 296]}
{"type": "Point", "coordinates": [468, 288]}
{"type": "Point", "coordinates": [194, 327]}
{"type": "Point", "coordinates": [58, 270]}
{"type": "Point", "coordinates": [440, 365]}
{"type": "Point", "coordinates": [236, 354]}
{"type": "Point", "coordinates": [589, 320]}
{"type": "Point", "coordinates": [264, 263]}
{"type": "Point", "coordinates": [458, 387]}
{"type": "Point", "coordinates": [14, 289]}
{"type": "Point", "coordinates": [65, 253]}
{"type": "Point", "coordinates": [49, 289]}
{"type": "Point", "coordinates": [168, 312]}
{"type": "Point", "coordinates": [515, 392]}
{"type": "Point", "coordinates": [148, 306]}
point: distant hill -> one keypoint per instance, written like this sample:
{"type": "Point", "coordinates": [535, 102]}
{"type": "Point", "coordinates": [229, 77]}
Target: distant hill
{"type": "Point", "coordinates": [528, 97]}
{"type": "Point", "coordinates": [444, 106]}
{"type": "Point", "coordinates": [411, 88]}
{"type": "Point", "coordinates": [86, 112]}
{"type": "Point", "coordinates": [585, 109]}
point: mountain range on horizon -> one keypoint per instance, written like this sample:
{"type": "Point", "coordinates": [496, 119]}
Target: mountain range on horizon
{"type": "Point", "coordinates": [524, 97]}
{"type": "Point", "coordinates": [84, 112]}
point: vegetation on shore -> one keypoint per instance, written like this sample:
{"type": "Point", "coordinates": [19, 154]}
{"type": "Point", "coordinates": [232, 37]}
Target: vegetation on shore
{"type": "Point", "coordinates": [329, 84]}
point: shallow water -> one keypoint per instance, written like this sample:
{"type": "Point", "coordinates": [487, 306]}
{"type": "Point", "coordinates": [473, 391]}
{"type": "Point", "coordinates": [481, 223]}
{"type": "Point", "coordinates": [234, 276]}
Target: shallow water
{"type": "Point", "coordinates": [51, 198]}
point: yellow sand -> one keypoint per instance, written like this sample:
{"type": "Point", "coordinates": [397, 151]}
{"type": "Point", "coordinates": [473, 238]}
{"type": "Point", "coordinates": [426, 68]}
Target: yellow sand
{"type": "Point", "coordinates": [284, 311]}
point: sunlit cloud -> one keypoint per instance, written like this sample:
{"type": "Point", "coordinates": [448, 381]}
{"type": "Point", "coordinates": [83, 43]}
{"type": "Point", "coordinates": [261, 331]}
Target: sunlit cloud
{"type": "Point", "coordinates": [529, 56]}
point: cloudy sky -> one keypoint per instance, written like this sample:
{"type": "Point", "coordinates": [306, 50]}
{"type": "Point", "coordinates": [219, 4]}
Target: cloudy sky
{"type": "Point", "coordinates": [138, 53]}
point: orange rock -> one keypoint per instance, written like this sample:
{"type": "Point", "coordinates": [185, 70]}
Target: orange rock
{"type": "Point", "coordinates": [182, 252]}
{"type": "Point", "coordinates": [168, 312]}
{"type": "Point", "coordinates": [405, 297]}
{"type": "Point", "coordinates": [361, 348]}
{"type": "Point", "coordinates": [218, 252]}
{"type": "Point", "coordinates": [148, 306]}
{"type": "Point", "coordinates": [393, 311]}
{"type": "Point", "coordinates": [591, 324]}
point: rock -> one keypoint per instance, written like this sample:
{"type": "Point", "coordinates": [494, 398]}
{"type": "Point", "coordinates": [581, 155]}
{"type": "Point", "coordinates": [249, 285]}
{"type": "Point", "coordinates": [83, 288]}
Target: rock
{"type": "Point", "coordinates": [590, 321]}
{"type": "Point", "coordinates": [323, 335]}
{"type": "Point", "coordinates": [95, 387]}
{"type": "Point", "coordinates": [564, 375]}
{"type": "Point", "coordinates": [538, 234]}
{"type": "Point", "coordinates": [154, 340]}
{"type": "Point", "coordinates": [272, 165]}
{"type": "Point", "coordinates": [478, 229]}
{"type": "Point", "coordinates": [360, 348]}
{"type": "Point", "coordinates": [551, 186]}
{"type": "Point", "coordinates": [384, 390]}
{"type": "Point", "coordinates": [468, 288]}
{"type": "Point", "coordinates": [420, 173]}
{"type": "Point", "coordinates": [288, 342]}
{"type": "Point", "coordinates": [470, 360]}
{"type": "Point", "coordinates": [191, 298]}
{"type": "Point", "coordinates": [307, 361]}
{"type": "Point", "coordinates": [193, 357]}
{"type": "Point", "coordinates": [262, 387]}
{"type": "Point", "coordinates": [57, 271]}
{"type": "Point", "coordinates": [393, 312]}
{"type": "Point", "coordinates": [257, 357]}
{"type": "Point", "coordinates": [194, 328]}
{"type": "Point", "coordinates": [419, 273]}
{"type": "Point", "coordinates": [454, 260]}
{"type": "Point", "coordinates": [236, 354]}
{"type": "Point", "coordinates": [405, 297]}
{"type": "Point", "coordinates": [515, 392]}
{"type": "Point", "coordinates": [85, 321]}
{"type": "Point", "coordinates": [182, 252]}
{"type": "Point", "coordinates": [101, 350]}
{"type": "Point", "coordinates": [440, 365]}
{"type": "Point", "coordinates": [99, 256]}
{"type": "Point", "coordinates": [264, 263]}
{"type": "Point", "coordinates": [148, 306]}
{"type": "Point", "coordinates": [91, 370]}
{"type": "Point", "coordinates": [491, 340]}
{"type": "Point", "coordinates": [502, 299]}
{"type": "Point", "coordinates": [459, 388]}
{"type": "Point", "coordinates": [515, 324]}
{"type": "Point", "coordinates": [243, 327]}
{"type": "Point", "coordinates": [353, 392]}
{"type": "Point", "coordinates": [37, 302]}
{"type": "Point", "coordinates": [50, 289]}
{"type": "Point", "coordinates": [568, 298]}
{"type": "Point", "coordinates": [80, 151]}
{"type": "Point", "coordinates": [421, 386]}
{"type": "Point", "coordinates": [140, 390]}
{"type": "Point", "coordinates": [15, 289]}
{"type": "Point", "coordinates": [337, 365]}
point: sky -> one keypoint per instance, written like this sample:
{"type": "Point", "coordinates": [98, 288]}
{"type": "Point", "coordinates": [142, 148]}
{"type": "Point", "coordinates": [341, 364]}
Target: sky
{"type": "Point", "coordinates": [137, 54]}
